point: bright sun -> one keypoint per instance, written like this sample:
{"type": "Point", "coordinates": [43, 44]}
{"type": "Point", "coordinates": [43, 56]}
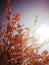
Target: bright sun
{"type": "Point", "coordinates": [43, 33]}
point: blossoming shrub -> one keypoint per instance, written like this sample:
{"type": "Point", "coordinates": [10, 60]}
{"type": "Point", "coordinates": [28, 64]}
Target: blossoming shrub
{"type": "Point", "coordinates": [13, 47]}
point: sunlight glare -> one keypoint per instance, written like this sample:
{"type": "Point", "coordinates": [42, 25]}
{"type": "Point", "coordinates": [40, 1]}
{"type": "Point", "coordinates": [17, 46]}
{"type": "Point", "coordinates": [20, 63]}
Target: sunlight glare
{"type": "Point", "coordinates": [43, 33]}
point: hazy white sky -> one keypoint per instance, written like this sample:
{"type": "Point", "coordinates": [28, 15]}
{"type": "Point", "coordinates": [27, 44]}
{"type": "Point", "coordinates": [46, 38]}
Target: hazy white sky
{"type": "Point", "coordinates": [29, 9]}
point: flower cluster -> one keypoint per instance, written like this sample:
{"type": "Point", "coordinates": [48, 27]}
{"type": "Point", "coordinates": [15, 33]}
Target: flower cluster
{"type": "Point", "coordinates": [13, 48]}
